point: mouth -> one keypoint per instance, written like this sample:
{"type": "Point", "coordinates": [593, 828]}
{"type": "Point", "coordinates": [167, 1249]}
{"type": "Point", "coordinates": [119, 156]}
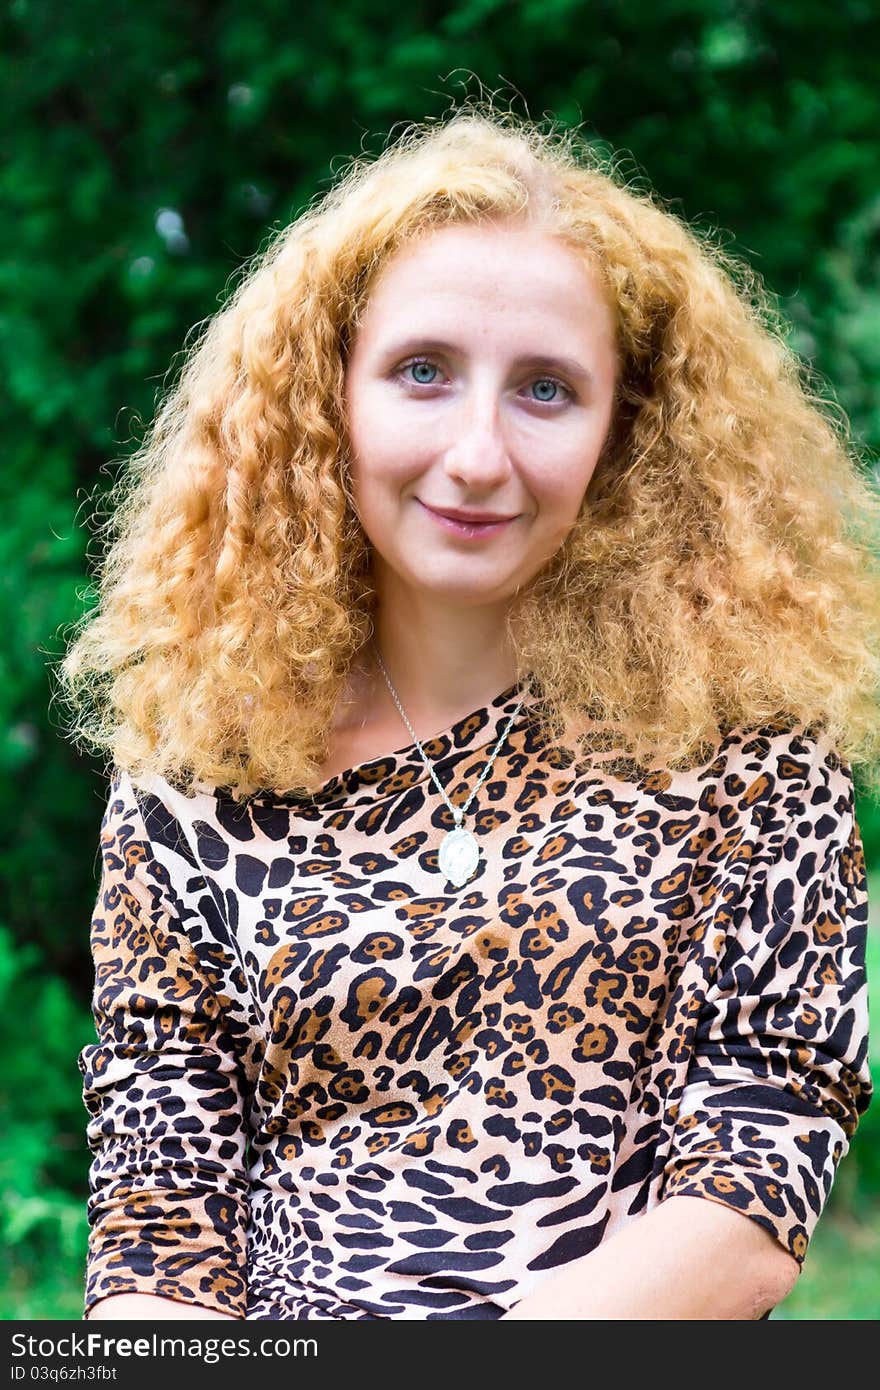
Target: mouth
{"type": "Point", "coordinates": [468, 529]}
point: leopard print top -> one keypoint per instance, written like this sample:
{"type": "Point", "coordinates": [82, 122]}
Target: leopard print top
{"type": "Point", "coordinates": [328, 1084]}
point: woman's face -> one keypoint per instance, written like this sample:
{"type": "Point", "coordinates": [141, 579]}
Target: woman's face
{"type": "Point", "coordinates": [480, 380]}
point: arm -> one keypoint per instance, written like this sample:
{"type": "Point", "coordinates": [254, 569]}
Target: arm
{"type": "Point", "coordinates": [167, 1184]}
{"type": "Point", "coordinates": [131, 1306]}
{"type": "Point", "coordinates": [685, 1259]}
{"type": "Point", "coordinates": [777, 1080]}
{"type": "Point", "coordinates": [779, 1075]}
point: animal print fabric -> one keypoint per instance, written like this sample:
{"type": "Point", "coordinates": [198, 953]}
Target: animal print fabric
{"type": "Point", "coordinates": [327, 1084]}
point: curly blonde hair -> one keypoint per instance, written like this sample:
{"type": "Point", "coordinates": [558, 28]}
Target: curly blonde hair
{"type": "Point", "coordinates": [722, 571]}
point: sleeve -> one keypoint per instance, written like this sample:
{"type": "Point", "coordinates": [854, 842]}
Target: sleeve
{"type": "Point", "coordinates": [167, 1205]}
{"type": "Point", "coordinates": [779, 1075]}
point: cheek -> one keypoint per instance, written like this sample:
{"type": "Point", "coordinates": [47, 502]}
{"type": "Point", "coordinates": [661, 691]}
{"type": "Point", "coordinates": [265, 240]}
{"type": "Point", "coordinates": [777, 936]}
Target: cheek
{"type": "Point", "coordinates": [383, 476]}
{"type": "Point", "coordinates": [387, 446]}
{"type": "Point", "coordinates": [558, 491]}
{"type": "Point", "coordinates": [382, 483]}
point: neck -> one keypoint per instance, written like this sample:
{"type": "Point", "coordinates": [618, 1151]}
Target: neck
{"type": "Point", "coordinates": [443, 661]}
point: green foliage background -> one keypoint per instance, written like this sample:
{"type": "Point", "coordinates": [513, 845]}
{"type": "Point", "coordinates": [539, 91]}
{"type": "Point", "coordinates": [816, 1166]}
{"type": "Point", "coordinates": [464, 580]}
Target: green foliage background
{"type": "Point", "coordinates": [146, 153]}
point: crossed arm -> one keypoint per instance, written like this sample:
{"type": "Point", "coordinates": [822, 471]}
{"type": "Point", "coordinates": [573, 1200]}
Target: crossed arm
{"type": "Point", "coordinates": [688, 1258]}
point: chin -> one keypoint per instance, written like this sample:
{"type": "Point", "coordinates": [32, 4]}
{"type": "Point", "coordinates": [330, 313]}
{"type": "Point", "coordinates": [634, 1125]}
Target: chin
{"type": "Point", "coordinates": [458, 587]}
{"type": "Point", "coordinates": [448, 571]}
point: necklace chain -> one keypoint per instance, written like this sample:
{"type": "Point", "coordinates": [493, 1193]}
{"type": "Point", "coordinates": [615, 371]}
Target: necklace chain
{"type": "Point", "coordinates": [458, 812]}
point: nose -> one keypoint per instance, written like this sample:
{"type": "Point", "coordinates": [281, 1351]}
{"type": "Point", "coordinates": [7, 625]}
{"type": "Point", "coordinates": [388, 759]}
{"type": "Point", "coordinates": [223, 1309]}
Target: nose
{"type": "Point", "coordinates": [476, 452]}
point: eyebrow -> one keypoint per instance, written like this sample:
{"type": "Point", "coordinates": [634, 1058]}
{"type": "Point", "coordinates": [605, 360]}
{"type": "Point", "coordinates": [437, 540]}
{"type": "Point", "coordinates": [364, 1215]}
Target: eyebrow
{"type": "Point", "coordinates": [569, 366]}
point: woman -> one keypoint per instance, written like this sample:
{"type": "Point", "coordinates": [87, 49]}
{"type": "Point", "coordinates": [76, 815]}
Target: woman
{"type": "Point", "coordinates": [483, 653]}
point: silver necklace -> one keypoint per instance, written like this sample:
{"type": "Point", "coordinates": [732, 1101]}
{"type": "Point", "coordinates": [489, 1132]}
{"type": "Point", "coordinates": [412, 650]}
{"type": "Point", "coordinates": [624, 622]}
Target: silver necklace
{"type": "Point", "coordinates": [459, 852]}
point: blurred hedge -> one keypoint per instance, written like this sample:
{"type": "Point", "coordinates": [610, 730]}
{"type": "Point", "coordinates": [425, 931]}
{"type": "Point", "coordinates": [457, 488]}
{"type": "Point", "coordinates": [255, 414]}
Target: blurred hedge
{"type": "Point", "coordinates": [147, 151]}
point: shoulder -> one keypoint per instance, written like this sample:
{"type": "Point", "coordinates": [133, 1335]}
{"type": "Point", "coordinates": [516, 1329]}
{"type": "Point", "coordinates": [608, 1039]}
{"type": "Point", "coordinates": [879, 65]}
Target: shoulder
{"type": "Point", "coordinates": [784, 763]}
{"type": "Point", "coordinates": [798, 788]}
{"type": "Point", "coordinates": [156, 826]}
{"type": "Point", "coordinates": [776, 797]}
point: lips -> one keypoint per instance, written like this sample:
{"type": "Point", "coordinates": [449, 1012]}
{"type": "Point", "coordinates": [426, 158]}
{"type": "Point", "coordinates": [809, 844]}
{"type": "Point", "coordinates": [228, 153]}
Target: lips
{"type": "Point", "coordinates": [468, 530]}
{"type": "Point", "coordinates": [468, 518]}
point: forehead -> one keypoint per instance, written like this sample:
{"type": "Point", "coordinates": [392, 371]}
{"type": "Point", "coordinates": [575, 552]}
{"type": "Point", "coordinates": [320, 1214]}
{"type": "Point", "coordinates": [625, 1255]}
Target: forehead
{"type": "Point", "coordinates": [469, 269]}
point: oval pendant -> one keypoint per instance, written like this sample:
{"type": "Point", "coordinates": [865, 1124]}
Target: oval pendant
{"type": "Point", "coordinates": [459, 856]}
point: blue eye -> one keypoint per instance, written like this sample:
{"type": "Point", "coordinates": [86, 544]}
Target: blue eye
{"type": "Point", "coordinates": [425, 373]}
{"type": "Point", "coordinates": [548, 381]}
{"type": "Point", "coordinates": [422, 365]}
